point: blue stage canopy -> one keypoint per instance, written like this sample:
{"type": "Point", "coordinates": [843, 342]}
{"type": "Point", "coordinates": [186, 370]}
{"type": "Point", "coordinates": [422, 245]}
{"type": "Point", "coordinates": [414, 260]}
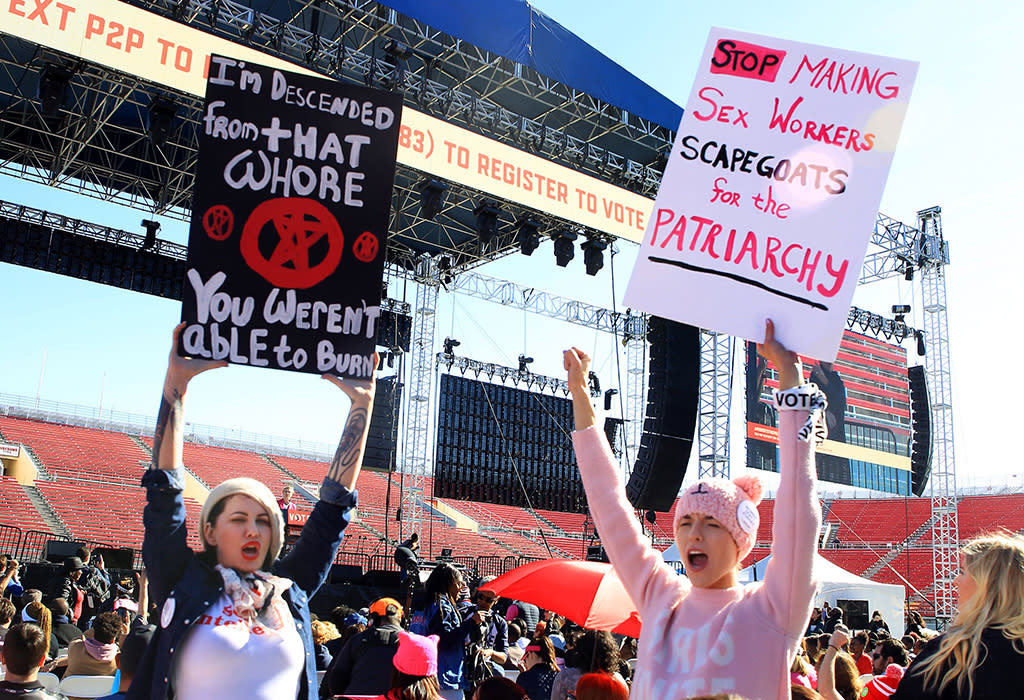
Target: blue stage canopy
{"type": "Point", "coordinates": [517, 31]}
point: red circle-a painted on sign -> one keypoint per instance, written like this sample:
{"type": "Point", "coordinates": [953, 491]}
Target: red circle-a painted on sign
{"type": "Point", "coordinates": [366, 247]}
{"type": "Point", "coordinates": [292, 226]}
{"type": "Point", "coordinates": [218, 222]}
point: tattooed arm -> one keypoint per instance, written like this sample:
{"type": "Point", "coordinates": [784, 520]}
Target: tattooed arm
{"type": "Point", "coordinates": [165, 548]}
{"type": "Point", "coordinates": [348, 458]}
{"type": "Point", "coordinates": [168, 440]}
{"type": "Point", "coordinates": [309, 560]}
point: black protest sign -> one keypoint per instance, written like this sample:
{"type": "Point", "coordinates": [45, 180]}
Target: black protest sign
{"type": "Point", "coordinates": [289, 220]}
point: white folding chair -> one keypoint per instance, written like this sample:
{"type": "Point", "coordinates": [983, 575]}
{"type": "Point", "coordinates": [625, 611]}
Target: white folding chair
{"type": "Point", "coordinates": [49, 682]}
{"type": "Point", "coordinates": [86, 686]}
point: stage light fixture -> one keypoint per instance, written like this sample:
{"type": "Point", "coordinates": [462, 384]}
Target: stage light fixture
{"type": "Point", "coordinates": [920, 343]}
{"type": "Point", "coordinates": [53, 88]}
{"type": "Point", "coordinates": [444, 271]}
{"type": "Point", "coordinates": [486, 221]}
{"type": "Point", "coordinates": [450, 344]}
{"type": "Point", "coordinates": [908, 273]}
{"type": "Point", "coordinates": [593, 255]}
{"type": "Point", "coordinates": [160, 118]}
{"type": "Point", "coordinates": [397, 50]}
{"type": "Point", "coordinates": [529, 236]}
{"type": "Point", "coordinates": [152, 227]}
{"type": "Point", "coordinates": [565, 249]}
{"type": "Point", "coordinates": [608, 398]}
{"type": "Point", "coordinates": [524, 361]}
{"type": "Point", "coordinates": [431, 198]}
{"type": "Point", "coordinates": [900, 311]}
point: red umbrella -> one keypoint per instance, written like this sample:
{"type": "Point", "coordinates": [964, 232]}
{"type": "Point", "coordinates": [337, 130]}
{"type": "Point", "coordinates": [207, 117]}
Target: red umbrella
{"type": "Point", "coordinates": [587, 592]}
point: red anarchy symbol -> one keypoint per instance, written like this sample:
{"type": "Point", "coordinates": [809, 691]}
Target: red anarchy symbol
{"type": "Point", "coordinates": [218, 222]}
{"type": "Point", "coordinates": [294, 228]}
{"type": "Point", "coordinates": [366, 247]}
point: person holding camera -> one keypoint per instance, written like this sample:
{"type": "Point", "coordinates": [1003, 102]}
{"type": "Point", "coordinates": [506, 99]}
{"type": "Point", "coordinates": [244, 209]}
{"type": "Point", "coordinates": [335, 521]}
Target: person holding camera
{"type": "Point", "coordinates": [10, 586]}
{"type": "Point", "coordinates": [488, 640]}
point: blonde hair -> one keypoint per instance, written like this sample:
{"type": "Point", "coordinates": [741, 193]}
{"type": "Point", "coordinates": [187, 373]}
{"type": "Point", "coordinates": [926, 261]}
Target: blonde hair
{"type": "Point", "coordinates": [40, 615]}
{"type": "Point", "coordinates": [324, 632]}
{"type": "Point", "coordinates": [996, 563]}
{"type": "Point", "coordinates": [800, 666]}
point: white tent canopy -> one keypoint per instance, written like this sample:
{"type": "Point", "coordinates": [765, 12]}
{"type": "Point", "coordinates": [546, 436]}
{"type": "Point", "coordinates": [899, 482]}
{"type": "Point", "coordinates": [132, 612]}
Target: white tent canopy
{"type": "Point", "coordinates": [835, 583]}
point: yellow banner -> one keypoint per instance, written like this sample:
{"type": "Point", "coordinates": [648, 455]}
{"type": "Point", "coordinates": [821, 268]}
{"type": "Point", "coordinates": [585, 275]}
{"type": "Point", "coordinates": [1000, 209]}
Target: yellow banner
{"type": "Point", "coordinates": [839, 449]}
{"type": "Point", "coordinates": [162, 51]}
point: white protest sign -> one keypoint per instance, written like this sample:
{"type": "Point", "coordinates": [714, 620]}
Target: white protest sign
{"type": "Point", "coordinates": [770, 194]}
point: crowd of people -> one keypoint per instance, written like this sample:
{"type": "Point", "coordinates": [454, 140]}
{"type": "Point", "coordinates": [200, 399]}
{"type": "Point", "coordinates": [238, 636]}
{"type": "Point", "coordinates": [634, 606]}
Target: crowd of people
{"type": "Point", "coordinates": [234, 620]}
{"type": "Point", "coordinates": [82, 622]}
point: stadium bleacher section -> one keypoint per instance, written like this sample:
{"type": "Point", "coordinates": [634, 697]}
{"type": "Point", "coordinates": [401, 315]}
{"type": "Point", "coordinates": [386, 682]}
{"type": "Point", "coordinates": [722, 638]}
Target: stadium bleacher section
{"type": "Point", "coordinates": [75, 453]}
{"type": "Point", "coordinates": [16, 507]}
{"type": "Point", "coordinates": [89, 480]}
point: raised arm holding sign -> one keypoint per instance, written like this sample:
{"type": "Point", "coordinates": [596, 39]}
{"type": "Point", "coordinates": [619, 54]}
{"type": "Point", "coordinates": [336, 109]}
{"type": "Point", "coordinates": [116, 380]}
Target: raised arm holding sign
{"type": "Point", "coordinates": [234, 620]}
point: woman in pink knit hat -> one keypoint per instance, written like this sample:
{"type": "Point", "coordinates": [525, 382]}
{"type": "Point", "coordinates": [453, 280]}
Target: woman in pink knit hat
{"type": "Point", "coordinates": [414, 676]}
{"type": "Point", "coordinates": [705, 633]}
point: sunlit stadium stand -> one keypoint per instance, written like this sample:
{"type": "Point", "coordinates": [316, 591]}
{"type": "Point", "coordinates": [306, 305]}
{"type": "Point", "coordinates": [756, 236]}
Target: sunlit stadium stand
{"type": "Point", "coordinates": [90, 482]}
{"type": "Point", "coordinates": [72, 452]}
{"type": "Point", "coordinates": [16, 508]}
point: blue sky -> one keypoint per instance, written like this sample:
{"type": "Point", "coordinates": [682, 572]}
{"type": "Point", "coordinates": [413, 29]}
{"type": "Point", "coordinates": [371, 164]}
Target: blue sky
{"type": "Point", "coordinates": [959, 149]}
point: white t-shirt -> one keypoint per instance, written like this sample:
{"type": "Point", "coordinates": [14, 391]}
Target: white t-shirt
{"type": "Point", "coordinates": [225, 657]}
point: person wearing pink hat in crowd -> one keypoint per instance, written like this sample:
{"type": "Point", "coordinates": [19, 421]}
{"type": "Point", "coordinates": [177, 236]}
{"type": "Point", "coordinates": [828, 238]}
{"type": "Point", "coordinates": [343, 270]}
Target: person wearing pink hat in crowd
{"type": "Point", "coordinates": [415, 669]}
{"type": "Point", "coordinates": [705, 633]}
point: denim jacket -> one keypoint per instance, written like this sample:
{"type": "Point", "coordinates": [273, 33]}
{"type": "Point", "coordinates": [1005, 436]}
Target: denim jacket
{"type": "Point", "coordinates": [183, 585]}
{"type": "Point", "coordinates": [445, 621]}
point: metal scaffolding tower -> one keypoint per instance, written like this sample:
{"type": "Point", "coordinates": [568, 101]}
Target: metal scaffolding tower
{"type": "Point", "coordinates": [633, 408]}
{"type": "Point", "coordinates": [932, 259]}
{"type": "Point", "coordinates": [416, 460]}
{"type": "Point", "coordinates": [716, 358]}
{"type": "Point", "coordinates": [899, 249]}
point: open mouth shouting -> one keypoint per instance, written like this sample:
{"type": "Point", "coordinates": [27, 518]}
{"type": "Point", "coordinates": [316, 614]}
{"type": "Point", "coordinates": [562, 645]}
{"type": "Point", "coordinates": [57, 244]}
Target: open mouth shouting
{"type": "Point", "coordinates": [251, 551]}
{"type": "Point", "coordinates": [696, 560]}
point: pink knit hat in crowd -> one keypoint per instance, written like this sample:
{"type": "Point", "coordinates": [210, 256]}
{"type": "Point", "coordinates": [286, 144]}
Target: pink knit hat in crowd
{"type": "Point", "coordinates": [416, 655]}
{"type": "Point", "coordinates": [732, 503]}
{"type": "Point", "coordinates": [881, 687]}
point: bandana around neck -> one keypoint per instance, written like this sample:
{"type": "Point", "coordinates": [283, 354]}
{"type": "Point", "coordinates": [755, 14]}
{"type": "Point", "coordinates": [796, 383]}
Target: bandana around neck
{"type": "Point", "coordinates": [257, 595]}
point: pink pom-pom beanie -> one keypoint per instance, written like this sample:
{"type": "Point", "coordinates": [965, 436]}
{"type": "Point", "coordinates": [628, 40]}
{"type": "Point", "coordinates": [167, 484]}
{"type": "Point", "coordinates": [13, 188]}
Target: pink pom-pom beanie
{"type": "Point", "coordinates": [416, 655]}
{"type": "Point", "coordinates": [731, 503]}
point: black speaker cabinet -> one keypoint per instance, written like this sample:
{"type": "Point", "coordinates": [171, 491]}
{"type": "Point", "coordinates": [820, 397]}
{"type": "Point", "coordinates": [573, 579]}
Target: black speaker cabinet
{"type": "Point", "coordinates": [670, 416]}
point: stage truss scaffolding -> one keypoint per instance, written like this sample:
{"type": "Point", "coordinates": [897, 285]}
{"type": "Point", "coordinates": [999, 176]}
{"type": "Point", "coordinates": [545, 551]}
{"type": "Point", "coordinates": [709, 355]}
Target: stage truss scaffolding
{"type": "Point", "coordinates": [415, 459]}
{"type": "Point", "coordinates": [932, 259]}
{"type": "Point", "coordinates": [716, 359]}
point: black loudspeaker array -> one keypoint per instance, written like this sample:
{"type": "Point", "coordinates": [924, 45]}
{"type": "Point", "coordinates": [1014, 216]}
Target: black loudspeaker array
{"type": "Point", "coordinates": [670, 416]}
{"type": "Point", "coordinates": [482, 428]}
{"type": "Point", "coordinates": [383, 432]}
{"type": "Point", "coordinates": [394, 329]}
{"type": "Point", "coordinates": [75, 255]}
{"type": "Point", "coordinates": [921, 424]}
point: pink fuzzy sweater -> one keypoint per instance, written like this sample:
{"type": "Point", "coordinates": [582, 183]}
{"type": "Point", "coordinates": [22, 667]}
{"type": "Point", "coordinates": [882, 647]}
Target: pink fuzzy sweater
{"type": "Point", "coordinates": [699, 641]}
